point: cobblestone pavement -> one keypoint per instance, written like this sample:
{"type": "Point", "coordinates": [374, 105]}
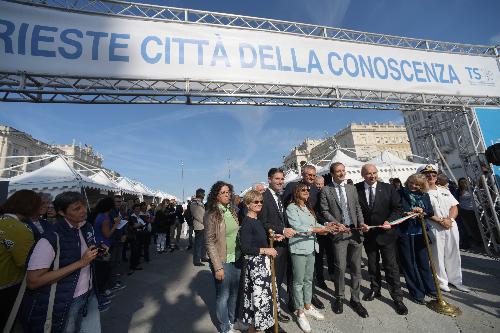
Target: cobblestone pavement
{"type": "Point", "coordinates": [172, 295]}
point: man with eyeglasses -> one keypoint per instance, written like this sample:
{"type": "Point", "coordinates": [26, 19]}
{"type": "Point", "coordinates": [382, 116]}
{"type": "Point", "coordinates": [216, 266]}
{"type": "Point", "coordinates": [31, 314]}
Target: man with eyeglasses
{"type": "Point", "coordinates": [340, 207]}
{"type": "Point", "coordinates": [308, 178]}
{"type": "Point", "coordinates": [444, 233]}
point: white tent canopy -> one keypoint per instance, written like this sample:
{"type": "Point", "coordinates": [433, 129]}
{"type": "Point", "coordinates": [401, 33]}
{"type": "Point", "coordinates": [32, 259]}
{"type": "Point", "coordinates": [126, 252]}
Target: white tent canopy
{"type": "Point", "coordinates": [343, 158]}
{"type": "Point", "coordinates": [388, 165]}
{"type": "Point", "coordinates": [127, 186]}
{"type": "Point", "coordinates": [54, 178]}
{"type": "Point", "coordinates": [143, 189]}
{"type": "Point", "coordinates": [101, 178]}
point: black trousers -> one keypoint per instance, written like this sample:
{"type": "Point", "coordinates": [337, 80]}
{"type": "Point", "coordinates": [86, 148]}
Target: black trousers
{"type": "Point", "coordinates": [387, 251]}
{"type": "Point", "coordinates": [8, 297]}
{"type": "Point", "coordinates": [103, 273]}
{"type": "Point", "coordinates": [144, 238]}
{"type": "Point", "coordinates": [135, 252]}
{"type": "Point", "coordinates": [325, 248]}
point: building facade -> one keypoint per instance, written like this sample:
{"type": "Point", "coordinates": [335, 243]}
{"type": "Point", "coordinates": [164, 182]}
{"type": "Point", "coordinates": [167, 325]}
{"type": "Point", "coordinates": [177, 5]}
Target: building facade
{"type": "Point", "coordinates": [15, 143]}
{"type": "Point", "coordinates": [446, 141]}
{"type": "Point", "coordinates": [360, 141]}
{"type": "Point", "coordinates": [301, 154]}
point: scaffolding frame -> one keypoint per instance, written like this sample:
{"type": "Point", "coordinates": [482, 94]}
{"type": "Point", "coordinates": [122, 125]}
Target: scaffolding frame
{"type": "Point", "coordinates": [42, 88]}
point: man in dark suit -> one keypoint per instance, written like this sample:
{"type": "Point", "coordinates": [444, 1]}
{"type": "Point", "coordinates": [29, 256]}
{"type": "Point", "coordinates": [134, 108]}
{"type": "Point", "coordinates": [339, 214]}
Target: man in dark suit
{"type": "Point", "coordinates": [340, 207]}
{"type": "Point", "coordinates": [380, 203]}
{"type": "Point", "coordinates": [308, 178]}
{"type": "Point", "coordinates": [273, 217]}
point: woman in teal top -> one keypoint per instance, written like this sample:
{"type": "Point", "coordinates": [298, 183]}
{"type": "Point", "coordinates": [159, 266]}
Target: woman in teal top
{"type": "Point", "coordinates": [302, 219]}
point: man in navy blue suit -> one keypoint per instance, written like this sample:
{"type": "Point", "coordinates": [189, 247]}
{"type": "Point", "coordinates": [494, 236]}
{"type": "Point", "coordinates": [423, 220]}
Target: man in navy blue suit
{"type": "Point", "coordinates": [380, 203]}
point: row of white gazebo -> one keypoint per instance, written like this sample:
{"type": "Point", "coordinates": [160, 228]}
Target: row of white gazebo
{"type": "Point", "coordinates": [59, 176]}
{"type": "Point", "coordinates": [388, 165]}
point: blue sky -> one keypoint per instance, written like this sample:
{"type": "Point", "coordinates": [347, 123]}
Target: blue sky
{"type": "Point", "coordinates": [148, 142]}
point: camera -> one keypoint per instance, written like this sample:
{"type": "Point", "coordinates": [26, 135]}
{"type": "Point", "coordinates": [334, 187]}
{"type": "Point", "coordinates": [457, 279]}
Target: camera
{"type": "Point", "coordinates": [101, 250]}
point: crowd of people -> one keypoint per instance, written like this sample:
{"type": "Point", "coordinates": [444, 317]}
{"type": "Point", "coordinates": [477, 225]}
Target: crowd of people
{"type": "Point", "coordinates": [61, 263]}
{"type": "Point", "coordinates": [328, 216]}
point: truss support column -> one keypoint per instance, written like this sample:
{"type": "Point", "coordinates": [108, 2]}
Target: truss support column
{"type": "Point", "coordinates": [477, 169]}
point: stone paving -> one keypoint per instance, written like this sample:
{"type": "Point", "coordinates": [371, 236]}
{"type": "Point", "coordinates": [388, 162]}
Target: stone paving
{"type": "Point", "coordinates": [172, 296]}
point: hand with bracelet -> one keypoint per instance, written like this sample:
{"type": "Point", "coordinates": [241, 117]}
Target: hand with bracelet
{"type": "Point", "coordinates": [268, 251]}
{"type": "Point", "coordinates": [219, 274]}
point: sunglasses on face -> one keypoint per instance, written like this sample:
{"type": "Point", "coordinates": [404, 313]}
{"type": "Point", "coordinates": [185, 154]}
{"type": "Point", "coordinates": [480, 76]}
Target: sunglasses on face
{"type": "Point", "coordinates": [256, 202]}
{"type": "Point", "coordinates": [304, 190]}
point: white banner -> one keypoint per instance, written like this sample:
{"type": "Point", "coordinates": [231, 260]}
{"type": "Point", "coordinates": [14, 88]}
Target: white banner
{"type": "Point", "coordinates": [48, 41]}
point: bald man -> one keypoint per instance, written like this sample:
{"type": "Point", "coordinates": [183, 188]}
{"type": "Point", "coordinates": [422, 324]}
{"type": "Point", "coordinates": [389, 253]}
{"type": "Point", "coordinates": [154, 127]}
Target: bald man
{"type": "Point", "coordinates": [380, 203]}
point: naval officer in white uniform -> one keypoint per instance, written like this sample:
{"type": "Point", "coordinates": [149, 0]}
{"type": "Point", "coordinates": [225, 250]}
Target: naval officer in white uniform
{"type": "Point", "coordinates": [444, 233]}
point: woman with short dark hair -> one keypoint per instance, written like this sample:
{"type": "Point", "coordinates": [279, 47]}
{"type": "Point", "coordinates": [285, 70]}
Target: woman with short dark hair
{"type": "Point", "coordinates": [16, 240]}
{"type": "Point", "coordinates": [60, 271]}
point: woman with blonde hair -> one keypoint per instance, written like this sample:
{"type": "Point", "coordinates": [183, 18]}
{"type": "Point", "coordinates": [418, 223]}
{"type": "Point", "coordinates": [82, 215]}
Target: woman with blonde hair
{"type": "Point", "coordinates": [257, 305]}
{"type": "Point", "coordinates": [412, 250]}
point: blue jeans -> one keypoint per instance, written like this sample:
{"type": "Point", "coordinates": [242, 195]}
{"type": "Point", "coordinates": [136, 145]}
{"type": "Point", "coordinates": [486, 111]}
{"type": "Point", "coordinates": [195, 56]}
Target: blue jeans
{"type": "Point", "coordinates": [76, 322]}
{"type": "Point", "coordinates": [226, 296]}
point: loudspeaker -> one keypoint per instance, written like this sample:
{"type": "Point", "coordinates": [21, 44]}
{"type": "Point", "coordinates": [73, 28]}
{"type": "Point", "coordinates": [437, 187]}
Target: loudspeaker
{"type": "Point", "coordinates": [493, 154]}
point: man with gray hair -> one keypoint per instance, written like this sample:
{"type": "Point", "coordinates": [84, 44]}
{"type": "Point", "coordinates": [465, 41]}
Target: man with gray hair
{"type": "Point", "coordinates": [259, 187]}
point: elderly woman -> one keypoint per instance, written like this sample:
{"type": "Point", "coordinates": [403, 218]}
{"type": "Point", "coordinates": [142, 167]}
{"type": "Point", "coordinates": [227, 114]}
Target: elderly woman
{"type": "Point", "coordinates": [221, 226]}
{"type": "Point", "coordinates": [302, 219]}
{"type": "Point", "coordinates": [16, 240]}
{"type": "Point", "coordinates": [257, 306]}
{"type": "Point", "coordinates": [412, 250]}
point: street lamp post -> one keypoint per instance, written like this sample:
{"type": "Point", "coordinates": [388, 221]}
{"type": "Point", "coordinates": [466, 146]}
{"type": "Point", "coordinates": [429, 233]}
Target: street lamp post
{"type": "Point", "coordinates": [182, 179]}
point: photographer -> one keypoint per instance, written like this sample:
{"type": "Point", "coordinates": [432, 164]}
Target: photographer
{"type": "Point", "coordinates": [61, 291]}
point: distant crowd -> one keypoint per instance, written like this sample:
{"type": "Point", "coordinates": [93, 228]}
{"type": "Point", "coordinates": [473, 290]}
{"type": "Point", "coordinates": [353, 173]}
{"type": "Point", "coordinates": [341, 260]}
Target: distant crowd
{"type": "Point", "coordinates": [61, 264]}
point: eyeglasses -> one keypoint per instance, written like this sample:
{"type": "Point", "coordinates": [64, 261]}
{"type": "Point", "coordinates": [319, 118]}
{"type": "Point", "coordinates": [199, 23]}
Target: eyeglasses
{"type": "Point", "coordinates": [256, 202]}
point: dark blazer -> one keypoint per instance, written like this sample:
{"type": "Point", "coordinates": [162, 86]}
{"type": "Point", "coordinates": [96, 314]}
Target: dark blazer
{"type": "Point", "coordinates": [386, 207]}
{"type": "Point", "coordinates": [270, 216]}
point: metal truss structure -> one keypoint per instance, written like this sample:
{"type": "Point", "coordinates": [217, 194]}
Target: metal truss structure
{"type": "Point", "coordinates": [38, 88]}
{"type": "Point", "coordinates": [33, 87]}
{"type": "Point", "coordinates": [470, 144]}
